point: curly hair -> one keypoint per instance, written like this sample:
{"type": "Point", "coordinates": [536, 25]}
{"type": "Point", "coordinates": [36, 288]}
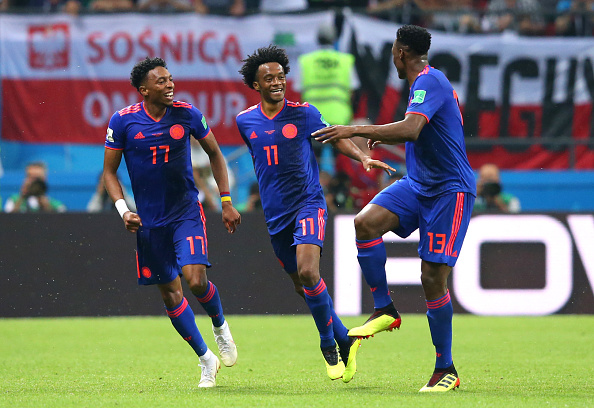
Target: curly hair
{"type": "Point", "coordinates": [262, 56]}
{"type": "Point", "coordinates": [416, 38]}
{"type": "Point", "coordinates": [142, 68]}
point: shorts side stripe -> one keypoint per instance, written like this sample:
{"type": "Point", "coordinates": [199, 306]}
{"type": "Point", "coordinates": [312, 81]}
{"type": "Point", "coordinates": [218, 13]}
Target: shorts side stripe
{"type": "Point", "coordinates": [458, 212]}
{"type": "Point", "coordinates": [203, 218]}
{"type": "Point", "coordinates": [321, 223]}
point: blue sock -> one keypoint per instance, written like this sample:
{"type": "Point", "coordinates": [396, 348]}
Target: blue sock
{"type": "Point", "coordinates": [211, 302]}
{"type": "Point", "coordinates": [184, 322]}
{"type": "Point", "coordinates": [439, 315]}
{"type": "Point", "coordinates": [372, 259]}
{"type": "Point", "coordinates": [340, 330]}
{"type": "Point", "coordinates": [317, 300]}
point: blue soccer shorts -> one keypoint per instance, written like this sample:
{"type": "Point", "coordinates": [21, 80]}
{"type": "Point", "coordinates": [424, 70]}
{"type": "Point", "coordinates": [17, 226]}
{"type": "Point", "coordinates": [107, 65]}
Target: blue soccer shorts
{"type": "Point", "coordinates": [161, 252]}
{"type": "Point", "coordinates": [309, 227]}
{"type": "Point", "coordinates": [442, 220]}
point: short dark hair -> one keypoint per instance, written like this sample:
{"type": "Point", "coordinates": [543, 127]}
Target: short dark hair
{"type": "Point", "coordinates": [416, 38]}
{"type": "Point", "coordinates": [262, 56]}
{"type": "Point", "coordinates": [142, 68]}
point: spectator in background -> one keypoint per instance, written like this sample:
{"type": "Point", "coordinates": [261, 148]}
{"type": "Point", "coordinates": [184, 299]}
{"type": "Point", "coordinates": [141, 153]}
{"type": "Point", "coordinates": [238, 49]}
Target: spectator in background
{"type": "Point", "coordinates": [338, 195]}
{"type": "Point", "coordinates": [111, 6]}
{"type": "Point", "coordinates": [282, 6]}
{"type": "Point", "coordinates": [33, 195]}
{"type": "Point", "coordinates": [46, 6]}
{"type": "Point", "coordinates": [101, 202]}
{"type": "Point", "coordinates": [157, 6]}
{"type": "Point", "coordinates": [225, 7]}
{"type": "Point", "coordinates": [575, 18]}
{"type": "Point", "coordinates": [522, 16]}
{"type": "Point", "coordinates": [327, 80]}
{"type": "Point", "coordinates": [398, 11]}
{"type": "Point", "coordinates": [490, 194]}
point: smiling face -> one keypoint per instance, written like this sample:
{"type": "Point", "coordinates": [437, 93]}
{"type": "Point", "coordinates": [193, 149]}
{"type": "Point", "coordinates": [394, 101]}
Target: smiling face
{"type": "Point", "coordinates": [158, 86]}
{"type": "Point", "coordinates": [271, 82]}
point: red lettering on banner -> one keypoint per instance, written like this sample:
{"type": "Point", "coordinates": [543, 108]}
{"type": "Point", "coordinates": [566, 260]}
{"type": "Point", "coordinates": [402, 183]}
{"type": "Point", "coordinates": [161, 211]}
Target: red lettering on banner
{"type": "Point", "coordinates": [201, 47]}
{"type": "Point", "coordinates": [92, 41]}
{"type": "Point", "coordinates": [128, 47]}
{"type": "Point", "coordinates": [167, 46]}
{"type": "Point", "coordinates": [143, 44]}
{"type": "Point", "coordinates": [231, 49]}
{"type": "Point", "coordinates": [190, 47]}
{"type": "Point", "coordinates": [124, 47]}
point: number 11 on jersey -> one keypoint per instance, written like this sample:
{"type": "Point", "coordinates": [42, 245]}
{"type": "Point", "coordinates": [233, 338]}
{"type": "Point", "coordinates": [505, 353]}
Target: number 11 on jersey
{"type": "Point", "coordinates": [274, 149]}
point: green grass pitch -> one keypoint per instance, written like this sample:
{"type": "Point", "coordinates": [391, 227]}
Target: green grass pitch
{"type": "Point", "coordinates": [142, 362]}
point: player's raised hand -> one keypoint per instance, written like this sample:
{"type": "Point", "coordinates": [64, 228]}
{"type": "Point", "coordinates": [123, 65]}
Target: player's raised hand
{"type": "Point", "coordinates": [333, 133]}
{"type": "Point", "coordinates": [369, 163]}
{"type": "Point", "coordinates": [231, 217]}
{"type": "Point", "coordinates": [132, 221]}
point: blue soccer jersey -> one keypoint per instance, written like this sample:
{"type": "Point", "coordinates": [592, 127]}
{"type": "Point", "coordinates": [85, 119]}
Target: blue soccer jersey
{"type": "Point", "coordinates": [436, 162]}
{"type": "Point", "coordinates": [157, 155]}
{"type": "Point", "coordinates": [284, 160]}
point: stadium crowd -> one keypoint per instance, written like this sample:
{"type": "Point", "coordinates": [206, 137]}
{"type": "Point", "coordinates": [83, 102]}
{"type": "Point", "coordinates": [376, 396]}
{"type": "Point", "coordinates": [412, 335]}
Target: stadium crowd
{"type": "Point", "coordinates": [526, 17]}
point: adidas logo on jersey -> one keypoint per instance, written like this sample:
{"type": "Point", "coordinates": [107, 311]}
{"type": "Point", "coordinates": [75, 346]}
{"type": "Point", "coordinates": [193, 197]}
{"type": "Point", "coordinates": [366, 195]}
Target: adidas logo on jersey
{"type": "Point", "coordinates": [139, 135]}
{"type": "Point", "coordinates": [253, 135]}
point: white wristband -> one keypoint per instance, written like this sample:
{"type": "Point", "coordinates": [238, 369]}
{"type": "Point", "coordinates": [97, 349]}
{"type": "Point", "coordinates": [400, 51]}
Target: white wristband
{"type": "Point", "coordinates": [122, 207]}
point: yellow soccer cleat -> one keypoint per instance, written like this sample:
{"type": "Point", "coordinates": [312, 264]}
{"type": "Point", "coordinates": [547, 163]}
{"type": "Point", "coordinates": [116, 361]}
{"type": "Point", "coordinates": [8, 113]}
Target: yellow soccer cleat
{"type": "Point", "coordinates": [334, 365]}
{"type": "Point", "coordinates": [350, 356]}
{"type": "Point", "coordinates": [378, 322]}
{"type": "Point", "coordinates": [442, 381]}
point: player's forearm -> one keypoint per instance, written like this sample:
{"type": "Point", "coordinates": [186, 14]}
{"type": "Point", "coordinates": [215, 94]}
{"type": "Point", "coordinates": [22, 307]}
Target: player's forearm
{"type": "Point", "coordinates": [219, 172]}
{"type": "Point", "coordinates": [391, 133]}
{"type": "Point", "coordinates": [113, 186]}
{"type": "Point", "coordinates": [350, 149]}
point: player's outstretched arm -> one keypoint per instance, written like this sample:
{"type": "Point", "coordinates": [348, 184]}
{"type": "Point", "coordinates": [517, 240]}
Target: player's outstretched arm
{"type": "Point", "coordinates": [350, 149]}
{"type": "Point", "coordinates": [111, 162]}
{"type": "Point", "coordinates": [406, 130]}
{"type": "Point", "coordinates": [231, 217]}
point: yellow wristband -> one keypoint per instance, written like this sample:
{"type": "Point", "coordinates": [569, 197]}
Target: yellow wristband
{"type": "Point", "coordinates": [225, 198]}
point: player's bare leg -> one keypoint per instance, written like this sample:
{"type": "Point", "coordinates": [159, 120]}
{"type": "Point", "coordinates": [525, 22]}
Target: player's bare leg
{"type": "Point", "coordinates": [370, 225]}
{"type": "Point", "coordinates": [208, 296]}
{"type": "Point", "coordinates": [319, 303]}
{"type": "Point", "coordinates": [183, 319]}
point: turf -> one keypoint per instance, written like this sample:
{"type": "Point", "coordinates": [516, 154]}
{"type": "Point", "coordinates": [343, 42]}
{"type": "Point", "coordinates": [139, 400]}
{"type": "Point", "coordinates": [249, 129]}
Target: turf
{"type": "Point", "coordinates": [142, 362]}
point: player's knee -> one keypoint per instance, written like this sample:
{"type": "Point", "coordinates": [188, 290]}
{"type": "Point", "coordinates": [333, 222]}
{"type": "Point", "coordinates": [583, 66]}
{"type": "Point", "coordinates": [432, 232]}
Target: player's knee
{"type": "Point", "coordinates": [428, 280]}
{"type": "Point", "coordinates": [172, 298]}
{"type": "Point", "coordinates": [363, 227]}
{"type": "Point", "coordinates": [309, 277]}
{"type": "Point", "coordinates": [434, 282]}
{"type": "Point", "coordinates": [198, 284]}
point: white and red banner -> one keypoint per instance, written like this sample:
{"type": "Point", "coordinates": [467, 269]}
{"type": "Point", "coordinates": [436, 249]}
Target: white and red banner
{"type": "Point", "coordinates": [63, 77]}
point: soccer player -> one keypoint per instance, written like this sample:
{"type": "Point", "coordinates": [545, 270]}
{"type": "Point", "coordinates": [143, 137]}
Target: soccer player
{"type": "Point", "coordinates": [436, 197]}
{"type": "Point", "coordinates": [278, 135]}
{"type": "Point", "coordinates": [154, 138]}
